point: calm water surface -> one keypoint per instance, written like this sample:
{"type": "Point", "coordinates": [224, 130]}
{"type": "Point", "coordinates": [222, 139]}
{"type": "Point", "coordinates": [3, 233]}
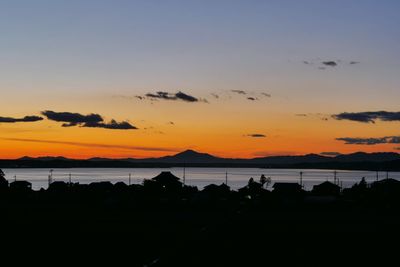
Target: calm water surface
{"type": "Point", "coordinates": [200, 177]}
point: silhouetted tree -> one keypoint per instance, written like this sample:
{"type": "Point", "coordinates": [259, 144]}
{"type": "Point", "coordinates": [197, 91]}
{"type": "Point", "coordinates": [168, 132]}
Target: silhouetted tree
{"type": "Point", "coordinates": [3, 181]}
{"type": "Point", "coordinates": [362, 184]}
{"type": "Point", "coordinates": [265, 180]}
{"type": "Point", "coordinates": [251, 181]}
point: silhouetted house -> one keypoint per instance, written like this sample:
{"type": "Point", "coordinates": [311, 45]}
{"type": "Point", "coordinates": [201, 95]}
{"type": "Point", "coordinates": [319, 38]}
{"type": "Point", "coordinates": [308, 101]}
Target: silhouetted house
{"type": "Point", "coordinates": [287, 188]}
{"type": "Point", "coordinates": [214, 190]}
{"type": "Point", "coordinates": [21, 186]}
{"type": "Point", "coordinates": [100, 187]}
{"type": "Point", "coordinates": [386, 186]}
{"type": "Point", "coordinates": [58, 187]}
{"type": "Point", "coordinates": [326, 189]}
{"type": "Point", "coordinates": [252, 189]}
{"type": "Point", "coordinates": [167, 180]}
{"type": "Point", "coordinates": [121, 187]}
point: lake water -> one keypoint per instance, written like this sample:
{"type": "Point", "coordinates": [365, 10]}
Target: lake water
{"type": "Point", "coordinates": [200, 177]}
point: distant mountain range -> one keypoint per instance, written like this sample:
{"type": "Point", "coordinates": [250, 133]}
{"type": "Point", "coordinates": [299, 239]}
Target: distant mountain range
{"type": "Point", "coordinates": [359, 160]}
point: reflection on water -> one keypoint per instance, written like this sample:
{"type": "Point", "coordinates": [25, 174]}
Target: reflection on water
{"type": "Point", "coordinates": [237, 177]}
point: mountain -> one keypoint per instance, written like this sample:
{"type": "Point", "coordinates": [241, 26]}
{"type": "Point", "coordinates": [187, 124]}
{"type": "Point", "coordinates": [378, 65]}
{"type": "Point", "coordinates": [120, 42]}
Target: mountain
{"type": "Point", "coordinates": [359, 160]}
{"type": "Point", "coordinates": [309, 158]}
{"type": "Point", "coordinates": [44, 158]}
{"type": "Point", "coordinates": [190, 156]}
{"type": "Point", "coordinates": [362, 156]}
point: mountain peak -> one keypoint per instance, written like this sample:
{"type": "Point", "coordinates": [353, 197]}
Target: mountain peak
{"type": "Point", "coordinates": [189, 152]}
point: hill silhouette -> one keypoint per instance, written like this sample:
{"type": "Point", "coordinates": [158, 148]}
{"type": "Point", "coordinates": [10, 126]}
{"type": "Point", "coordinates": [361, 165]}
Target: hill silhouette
{"type": "Point", "coordinates": [191, 158]}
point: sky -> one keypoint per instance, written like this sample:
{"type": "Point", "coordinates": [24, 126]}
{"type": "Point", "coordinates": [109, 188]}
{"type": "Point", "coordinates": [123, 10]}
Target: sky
{"type": "Point", "coordinates": [118, 78]}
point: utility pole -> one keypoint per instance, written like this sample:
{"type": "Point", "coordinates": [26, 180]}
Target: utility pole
{"type": "Point", "coordinates": [226, 178]}
{"type": "Point", "coordinates": [377, 176]}
{"type": "Point", "coordinates": [334, 176]}
{"type": "Point", "coordinates": [51, 176]}
{"type": "Point", "coordinates": [129, 181]}
{"type": "Point", "coordinates": [184, 173]}
{"type": "Point", "coordinates": [301, 179]}
{"type": "Point", "coordinates": [387, 174]}
{"type": "Point", "coordinates": [15, 177]}
{"type": "Point", "coordinates": [69, 179]}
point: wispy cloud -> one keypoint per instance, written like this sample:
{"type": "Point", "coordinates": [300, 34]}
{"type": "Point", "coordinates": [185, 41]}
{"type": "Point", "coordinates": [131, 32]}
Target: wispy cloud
{"type": "Point", "coordinates": [240, 92]}
{"type": "Point", "coordinates": [160, 95]}
{"type": "Point", "coordinates": [370, 140]}
{"type": "Point", "coordinates": [215, 95]}
{"type": "Point", "coordinates": [93, 120]}
{"type": "Point", "coordinates": [93, 145]}
{"type": "Point", "coordinates": [24, 119]}
{"type": "Point", "coordinates": [324, 64]}
{"type": "Point", "coordinates": [266, 94]}
{"type": "Point", "coordinates": [368, 116]}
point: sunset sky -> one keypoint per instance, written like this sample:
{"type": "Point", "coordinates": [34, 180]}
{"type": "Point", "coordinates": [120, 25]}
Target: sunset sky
{"type": "Point", "coordinates": [231, 78]}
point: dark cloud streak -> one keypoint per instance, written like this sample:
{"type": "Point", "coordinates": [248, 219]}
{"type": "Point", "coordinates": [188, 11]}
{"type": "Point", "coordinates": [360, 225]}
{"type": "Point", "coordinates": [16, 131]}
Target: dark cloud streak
{"type": "Point", "coordinates": [256, 135]}
{"type": "Point", "coordinates": [91, 120]}
{"type": "Point", "coordinates": [24, 119]}
{"type": "Point", "coordinates": [368, 116]}
{"type": "Point", "coordinates": [123, 147]}
{"type": "Point", "coordinates": [160, 95]}
{"type": "Point", "coordinates": [330, 63]}
{"type": "Point", "coordinates": [370, 140]}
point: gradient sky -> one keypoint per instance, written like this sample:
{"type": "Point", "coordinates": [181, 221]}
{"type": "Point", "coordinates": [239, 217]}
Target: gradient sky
{"type": "Point", "coordinates": [97, 56]}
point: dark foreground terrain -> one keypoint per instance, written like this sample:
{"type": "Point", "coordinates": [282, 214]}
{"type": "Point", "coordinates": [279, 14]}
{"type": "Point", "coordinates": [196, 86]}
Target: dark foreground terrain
{"type": "Point", "coordinates": [164, 223]}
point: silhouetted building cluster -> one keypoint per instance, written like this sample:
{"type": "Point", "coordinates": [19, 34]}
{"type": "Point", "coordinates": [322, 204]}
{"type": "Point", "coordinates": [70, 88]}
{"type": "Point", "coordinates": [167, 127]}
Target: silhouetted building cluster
{"type": "Point", "coordinates": [167, 223]}
{"type": "Point", "coordinates": [167, 187]}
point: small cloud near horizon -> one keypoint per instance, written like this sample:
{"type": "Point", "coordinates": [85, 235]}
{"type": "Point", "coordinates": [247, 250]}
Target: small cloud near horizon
{"type": "Point", "coordinates": [370, 140]}
{"type": "Point", "coordinates": [256, 135]}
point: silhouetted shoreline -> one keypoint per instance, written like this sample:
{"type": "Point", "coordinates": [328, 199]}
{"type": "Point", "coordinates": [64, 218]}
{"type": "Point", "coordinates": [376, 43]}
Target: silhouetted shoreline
{"type": "Point", "coordinates": [362, 166]}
